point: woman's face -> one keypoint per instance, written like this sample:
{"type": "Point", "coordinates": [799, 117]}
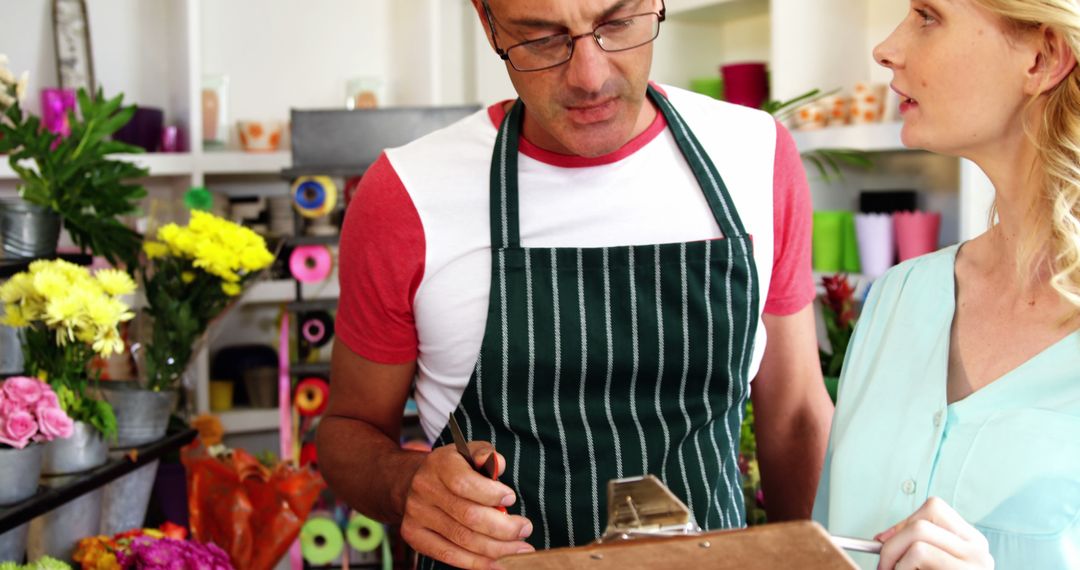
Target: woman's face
{"type": "Point", "coordinates": [959, 74]}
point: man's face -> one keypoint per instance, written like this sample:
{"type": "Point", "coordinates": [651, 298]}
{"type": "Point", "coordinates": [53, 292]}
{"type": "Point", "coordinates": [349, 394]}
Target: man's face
{"type": "Point", "coordinates": [592, 104]}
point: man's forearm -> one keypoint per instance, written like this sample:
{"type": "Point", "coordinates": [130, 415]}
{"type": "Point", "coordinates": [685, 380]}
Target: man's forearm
{"type": "Point", "coordinates": [366, 469]}
{"type": "Point", "coordinates": [791, 452]}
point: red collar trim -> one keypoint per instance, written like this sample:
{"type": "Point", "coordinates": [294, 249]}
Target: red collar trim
{"type": "Point", "coordinates": [497, 113]}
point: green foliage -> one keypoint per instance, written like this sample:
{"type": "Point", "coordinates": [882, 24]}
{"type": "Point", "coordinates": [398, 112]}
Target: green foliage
{"type": "Point", "coordinates": [839, 337]}
{"type": "Point", "coordinates": [75, 177]}
{"type": "Point", "coordinates": [182, 312]}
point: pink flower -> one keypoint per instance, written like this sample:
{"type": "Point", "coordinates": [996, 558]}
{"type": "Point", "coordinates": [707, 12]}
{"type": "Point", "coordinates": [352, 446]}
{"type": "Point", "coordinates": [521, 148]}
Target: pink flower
{"type": "Point", "coordinates": [17, 428]}
{"type": "Point", "coordinates": [54, 423]}
{"type": "Point", "coordinates": [48, 399]}
{"type": "Point", "coordinates": [23, 390]}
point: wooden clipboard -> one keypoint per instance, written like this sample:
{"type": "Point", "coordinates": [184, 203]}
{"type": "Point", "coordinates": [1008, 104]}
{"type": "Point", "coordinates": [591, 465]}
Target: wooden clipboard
{"type": "Point", "coordinates": [802, 544]}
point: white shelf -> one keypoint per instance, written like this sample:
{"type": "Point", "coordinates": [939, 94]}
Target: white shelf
{"type": "Point", "coordinates": [249, 420]}
{"type": "Point", "coordinates": [879, 137]}
{"type": "Point", "coordinates": [238, 162]}
{"type": "Point", "coordinates": [159, 164]}
{"type": "Point", "coordinates": [284, 291]}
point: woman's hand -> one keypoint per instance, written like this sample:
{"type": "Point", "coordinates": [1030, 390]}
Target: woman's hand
{"type": "Point", "coordinates": [934, 537]}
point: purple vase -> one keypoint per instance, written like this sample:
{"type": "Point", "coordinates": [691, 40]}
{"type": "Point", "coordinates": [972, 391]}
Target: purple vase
{"type": "Point", "coordinates": [55, 104]}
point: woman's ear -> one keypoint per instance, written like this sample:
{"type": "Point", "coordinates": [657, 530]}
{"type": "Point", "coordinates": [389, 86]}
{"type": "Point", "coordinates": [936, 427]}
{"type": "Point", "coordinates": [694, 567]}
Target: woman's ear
{"type": "Point", "coordinates": [1053, 62]}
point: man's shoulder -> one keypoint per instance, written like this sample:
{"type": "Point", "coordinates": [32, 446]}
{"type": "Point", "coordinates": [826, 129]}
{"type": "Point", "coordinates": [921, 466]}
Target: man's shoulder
{"type": "Point", "coordinates": [467, 138]}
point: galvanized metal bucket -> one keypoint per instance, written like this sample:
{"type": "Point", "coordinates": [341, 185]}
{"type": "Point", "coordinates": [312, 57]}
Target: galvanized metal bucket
{"type": "Point", "coordinates": [84, 450]}
{"type": "Point", "coordinates": [11, 352]}
{"type": "Point", "coordinates": [20, 470]}
{"type": "Point", "coordinates": [142, 416]}
{"type": "Point", "coordinates": [27, 230]}
{"type": "Point", "coordinates": [57, 532]}
{"type": "Point", "coordinates": [123, 505]}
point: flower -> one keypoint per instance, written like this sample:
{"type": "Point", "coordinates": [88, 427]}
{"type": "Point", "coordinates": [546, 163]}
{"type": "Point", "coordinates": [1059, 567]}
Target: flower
{"type": "Point", "coordinates": [838, 310]}
{"type": "Point", "coordinates": [192, 274]}
{"type": "Point", "coordinates": [17, 428]}
{"type": "Point", "coordinates": [30, 411]}
{"type": "Point", "coordinates": [54, 423]}
{"type": "Point", "coordinates": [839, 296]}
{"type": "Point", "coordinates": [24, 391]}
{"type": "Point", "coordinates": [116, 282]}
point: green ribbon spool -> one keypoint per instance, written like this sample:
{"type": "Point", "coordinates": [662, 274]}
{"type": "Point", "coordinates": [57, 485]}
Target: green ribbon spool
{"type": "Point", "coordinates": [320, 541]}
{"type": "Point", "coordinates": [364, 534]}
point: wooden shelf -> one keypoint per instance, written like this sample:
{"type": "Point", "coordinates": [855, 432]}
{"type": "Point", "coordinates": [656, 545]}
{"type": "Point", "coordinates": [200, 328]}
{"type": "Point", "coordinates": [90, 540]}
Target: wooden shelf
{"type": "Point", "coordinates": [160, 164]}
{"type": "Point", "coordinates": [78, 485]}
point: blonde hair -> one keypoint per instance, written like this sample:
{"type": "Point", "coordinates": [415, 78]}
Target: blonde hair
{"type": "Point", "coordinates": [1058, 138]}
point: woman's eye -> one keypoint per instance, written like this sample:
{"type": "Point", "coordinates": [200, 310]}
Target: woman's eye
{"type": "Point", "coordinates": [925, 16]}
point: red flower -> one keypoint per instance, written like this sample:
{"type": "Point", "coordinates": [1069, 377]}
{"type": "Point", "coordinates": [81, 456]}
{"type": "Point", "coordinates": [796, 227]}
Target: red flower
{"type": "Point", "coordinates": [839, 295]}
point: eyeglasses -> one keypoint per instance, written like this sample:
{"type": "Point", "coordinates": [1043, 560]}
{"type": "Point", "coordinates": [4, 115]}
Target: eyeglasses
{"type": "Point", "coordinates": [552, 51]}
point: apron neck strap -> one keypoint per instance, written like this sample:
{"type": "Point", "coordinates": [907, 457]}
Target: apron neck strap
{"type": "Point", "coordinates": [505, 228]}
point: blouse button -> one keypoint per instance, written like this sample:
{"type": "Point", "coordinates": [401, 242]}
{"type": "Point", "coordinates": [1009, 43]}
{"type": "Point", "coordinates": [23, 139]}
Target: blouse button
{"type": "Point", "coordinates": [908, 487]}
{"type": "Point", "coordinates": [937, 419]}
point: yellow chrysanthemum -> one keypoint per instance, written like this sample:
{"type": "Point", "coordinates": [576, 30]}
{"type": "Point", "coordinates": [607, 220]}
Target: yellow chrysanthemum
{"type": "Point", "coordinates": [15, 289]}
{"type": "Point", "coordinates": [13, 317]}
{"type": "Point", "coordinates": [187, 277]}
{"type": "Point", "coordinates": [115, 282]}
{"type": "Point", "coordinates": [155, 250]}
{"type": "Point", "coordinates": [51, 282]}
{"type": "Point", "coordinates": [109, 344]}
{"type": "Point", "coordinates": [231, 289]}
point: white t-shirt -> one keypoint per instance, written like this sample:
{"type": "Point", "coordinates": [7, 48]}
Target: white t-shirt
{"type": "Point", "coordinates": [415, 261]}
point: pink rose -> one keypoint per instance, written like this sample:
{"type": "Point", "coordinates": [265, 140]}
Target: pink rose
{"type": "Point", "coordinates": [17, 428]}
{"type": "Point", "coordinates": [48, 399]}
{"type": "Point", "coordinates": [54, 423]}
{"type": "Point", "coordinates": [23, 390]}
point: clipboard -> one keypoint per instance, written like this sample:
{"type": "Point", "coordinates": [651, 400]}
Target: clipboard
{"type": "Point", "coordinates": [649, 527]}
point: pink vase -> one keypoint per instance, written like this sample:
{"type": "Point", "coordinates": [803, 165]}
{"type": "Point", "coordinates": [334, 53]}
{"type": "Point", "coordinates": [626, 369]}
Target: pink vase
{"type": "Point", "coordinates": [745, 83]}
{"type": "Point", "coordinates": [916, 233]}
{"type": "Point", "coordinates": [55, 104]}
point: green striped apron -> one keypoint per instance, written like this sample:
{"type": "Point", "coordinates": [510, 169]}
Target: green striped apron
{"type": "Point", "coordinates": [601, 363]}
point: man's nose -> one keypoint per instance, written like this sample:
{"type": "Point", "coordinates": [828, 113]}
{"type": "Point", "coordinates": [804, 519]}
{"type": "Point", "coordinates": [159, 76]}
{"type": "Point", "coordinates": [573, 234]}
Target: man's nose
{"type": "Point", "coordinates": [589, 69]}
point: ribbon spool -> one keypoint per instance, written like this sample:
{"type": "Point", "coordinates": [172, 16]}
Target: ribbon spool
{"type": "Point", "coordinates": [314, 196]}
{"type": "Point", "coordinates": [311, 263]}
{"type": "Point", "coordinates": [364, 534]}
{"type": "Point", "coordinates": [317, 328]}
{"type": "Point", "coordinates": [321, 541]}
{"type": "Point", "coordinates": [311, 396]}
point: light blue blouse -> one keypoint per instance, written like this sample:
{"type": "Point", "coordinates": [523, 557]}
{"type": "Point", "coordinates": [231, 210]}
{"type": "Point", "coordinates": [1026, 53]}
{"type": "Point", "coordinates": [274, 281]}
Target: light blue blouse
{"type": "Point", "coordinates": [1007, 457]}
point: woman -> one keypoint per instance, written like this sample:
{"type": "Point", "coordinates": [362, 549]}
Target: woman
{"type": "Point", "coordinates": [959, 407]}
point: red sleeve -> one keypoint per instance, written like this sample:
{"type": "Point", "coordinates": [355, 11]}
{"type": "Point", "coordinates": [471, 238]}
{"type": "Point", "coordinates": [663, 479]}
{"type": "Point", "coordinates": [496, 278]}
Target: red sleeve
{"type": "Point", "coordinates": [381, 263]}
{"type": "Point", "coordinates": [792, 285]}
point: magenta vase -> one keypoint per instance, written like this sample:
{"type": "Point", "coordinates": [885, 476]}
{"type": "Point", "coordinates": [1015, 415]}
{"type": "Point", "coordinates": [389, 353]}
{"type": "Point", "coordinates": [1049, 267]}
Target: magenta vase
{"type": "Point", "coordinates": [55, 104]}
{"type": "Point", "coordinates": [745, 83]}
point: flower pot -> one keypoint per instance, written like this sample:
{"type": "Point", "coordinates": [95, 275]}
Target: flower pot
{"type": "Point", "coordinates": [84, 450]}
{"type": "Point", "coordinates": [57, 532]}
{"type": "Point", "coordinates": [124, 500]}
{"type": "Point", "coordinates": [27, 230]}
{"type": "Point", "coordinates": [20, 470]}
{"type": "Point", "coordinates": [142, 416]}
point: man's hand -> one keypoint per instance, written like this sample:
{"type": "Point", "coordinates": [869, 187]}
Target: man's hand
{"type": "Point", "coordinates": [451, 514]}
{"type": "Point", "coordinates": [935, 537]}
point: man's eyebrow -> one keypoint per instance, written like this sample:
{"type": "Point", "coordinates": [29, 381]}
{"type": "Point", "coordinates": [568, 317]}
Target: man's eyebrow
{"type": "Point", "coordinates": [540, 23]}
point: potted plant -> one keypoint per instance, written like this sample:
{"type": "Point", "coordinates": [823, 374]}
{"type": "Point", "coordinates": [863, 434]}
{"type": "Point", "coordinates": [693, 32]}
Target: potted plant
{"type": "Point", "coordinates": [67, 316]}
{"type": "Point", "coordinates": [838, 310]}
{"type": "Point", "coordinates": [30, 414]}
{"type": "Point", "coordinates": [72, 177]}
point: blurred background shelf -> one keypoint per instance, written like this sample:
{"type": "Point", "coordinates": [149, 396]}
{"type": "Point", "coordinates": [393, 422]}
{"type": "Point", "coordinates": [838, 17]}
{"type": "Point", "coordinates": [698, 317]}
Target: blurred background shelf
{"type": "Point", "coordinates": [878, 137]}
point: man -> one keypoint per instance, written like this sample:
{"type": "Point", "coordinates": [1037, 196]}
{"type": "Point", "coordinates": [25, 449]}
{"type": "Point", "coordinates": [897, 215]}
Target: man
{"type": "Point", "coordinates": [584, 279]}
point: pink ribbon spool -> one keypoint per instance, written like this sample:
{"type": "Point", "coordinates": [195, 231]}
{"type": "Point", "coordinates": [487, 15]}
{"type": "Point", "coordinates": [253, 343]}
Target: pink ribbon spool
{"type": "Point", "coordinates": [311, 263]}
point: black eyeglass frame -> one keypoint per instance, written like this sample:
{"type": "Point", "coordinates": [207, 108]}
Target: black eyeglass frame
{"type": "Point", "coordinates": [504, 54]}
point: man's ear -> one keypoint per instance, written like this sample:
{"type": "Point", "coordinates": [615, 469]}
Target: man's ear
{"type": "Point", "coordinates": [1053, 62]}
{"type": "Point", "coordinates": [484, 22]}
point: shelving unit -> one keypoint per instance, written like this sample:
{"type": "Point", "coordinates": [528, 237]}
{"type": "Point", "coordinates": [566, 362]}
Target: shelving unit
{"type": "Point", "coordinates": [75, 486]}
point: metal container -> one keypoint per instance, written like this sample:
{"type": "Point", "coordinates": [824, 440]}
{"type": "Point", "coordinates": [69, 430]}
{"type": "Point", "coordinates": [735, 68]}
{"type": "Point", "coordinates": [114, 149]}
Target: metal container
{"type": "Point", "coordinates": [84, 450]}
{"type": "Point", "coordinates": [57, 532]}
{"type": "Point", "coordinates": [11, 352]}
{"type": "Point", "coordinates": [27, 230]}
{"type": "Point", "coordinates": [142, 416]}
{"type": "Point", "coordinates": [124, 502]}
{"type": "Point", "coordinates": [20, 470]}
{"type": "Point", "coordinates": [13, 544]}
